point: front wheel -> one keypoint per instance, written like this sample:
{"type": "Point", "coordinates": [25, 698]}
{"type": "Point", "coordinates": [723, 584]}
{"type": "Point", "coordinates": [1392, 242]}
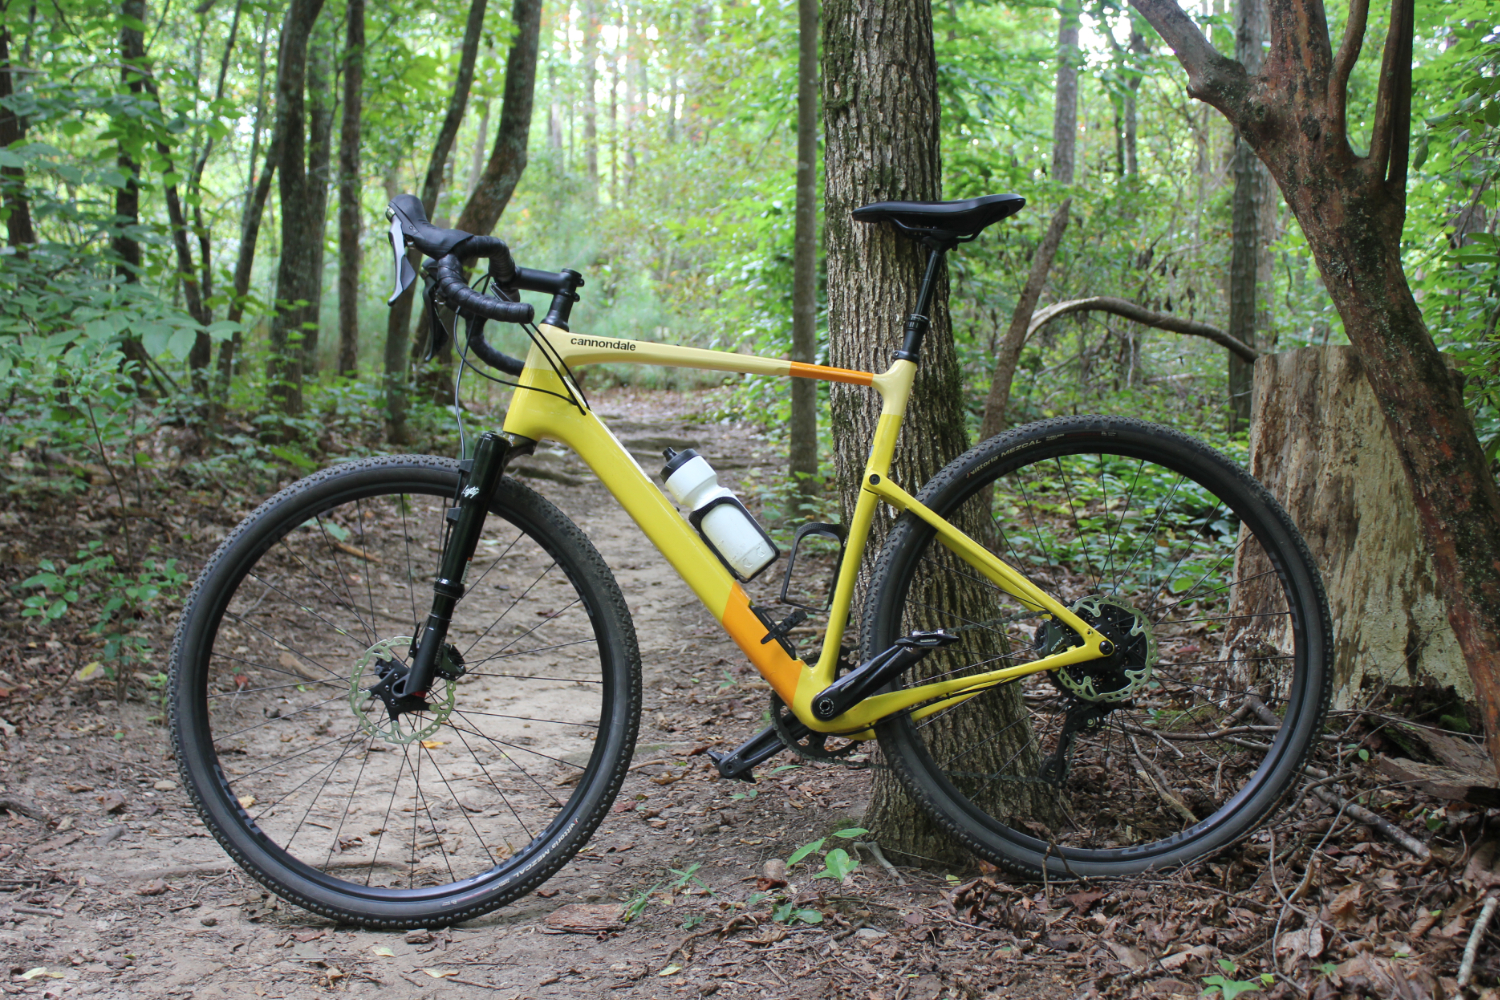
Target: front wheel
{"type": "Point", "coordinates": [1177, 746]}
{"type": "Point", "coordinates": [390, 812]}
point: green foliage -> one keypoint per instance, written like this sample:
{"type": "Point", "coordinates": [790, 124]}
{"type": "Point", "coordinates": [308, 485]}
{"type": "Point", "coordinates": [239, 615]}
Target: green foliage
{"type": "Point", "coordinates": [1231, 988]}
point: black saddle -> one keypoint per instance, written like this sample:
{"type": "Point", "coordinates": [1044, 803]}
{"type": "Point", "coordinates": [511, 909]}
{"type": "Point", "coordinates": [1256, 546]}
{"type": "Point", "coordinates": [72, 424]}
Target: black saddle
{"type": "Point", "coordinates": [942, 224]}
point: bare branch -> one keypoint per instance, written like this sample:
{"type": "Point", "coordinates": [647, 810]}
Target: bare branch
{"type": "Point", "coordinates": [1129, 310]}
{"type": "Point", "coordinates": [1348, 55]}
{"type": "Point", "coordinates": [1393, 129]}
{"type": "Point", "coordinates": [1212, 77]}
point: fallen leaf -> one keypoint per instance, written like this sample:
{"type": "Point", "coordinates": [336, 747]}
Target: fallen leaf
{"type": "Point", "coordinates": [88, 671]}
{"type": "Point", "coordinates": [1180, 959]}
{"type": "Point", "coordinates": [153, 888]}
{"type": "Point", "coordinates": [75, 789]}
{"type": "Point", "coordinates": [1083, 900]}
{"type": "Point", "coordinates": [670, 970]}
{"type": "Point", "coordinates": [667, 779]}
{"type": "Point", "coordinates": [433, 745]}
{"type": "Point", "coordinates": [246, 801]}
{"type": "Point", "coordinates": [1345, 907]}
{"type": "Point", "coordinates": [767, 884]}
{"type": "Point", "coordinates": [42, 970]}
{"type": "Point", "coordinates": [770, 935]}
{"type": "Point", "coordinates": [546, 893]}
{"type": "Point", "coordinates": [440, 973]}
{"type": "Point", "coordinates": [383, 951]}
{"type": "Point", "coordinates": [1296, 945]}
{"type": "Point", "coordinates": [111, 802]}
{"type": "Point", "coordinates": [1128, 956]}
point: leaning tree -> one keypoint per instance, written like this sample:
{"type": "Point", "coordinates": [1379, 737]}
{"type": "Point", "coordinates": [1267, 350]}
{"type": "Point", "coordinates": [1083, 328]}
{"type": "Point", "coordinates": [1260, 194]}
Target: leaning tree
{"type": "Point", "coordinates": [1351, 206]}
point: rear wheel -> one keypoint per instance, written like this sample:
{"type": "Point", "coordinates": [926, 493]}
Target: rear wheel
{"type": "Point", "coordinates": [376, 811]}
{"type": "Point", "coordinates": [1189, 736]}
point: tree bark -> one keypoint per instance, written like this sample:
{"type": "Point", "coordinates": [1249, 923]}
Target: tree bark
{"type": "Point", "coordinates": [399, 320]}
{"type": "Point", "coordinates": [320, 177]}
{"type": "Point", "coordinates": [802, 457]}
{"type": "Point", "coordinates": [1351, 209]}
{"type": "Point", "coordinates": [126, 247]}
{"type": "Point", "coordinates": [18, 225]}
{"type": "Point", "coordinates": [1247, 242]}
{"type": "Point", "coordinates": [296, 277]}
{"type": "Point", "coordinates": [1320, 445]}
{"type": "Point", "coordinates": [350, 209]}
{"type": "Point", "coordinates": [590, 106]}
{"type": "Point", "coordinates": [881, 119]}
{"type": "Point", "coordinates": [1064, 149]}
{"type": "Point", "coordinates": [256, 193]}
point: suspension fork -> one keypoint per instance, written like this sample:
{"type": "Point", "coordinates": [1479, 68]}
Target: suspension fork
{"type": "Point", "coordinates": [490, 455]}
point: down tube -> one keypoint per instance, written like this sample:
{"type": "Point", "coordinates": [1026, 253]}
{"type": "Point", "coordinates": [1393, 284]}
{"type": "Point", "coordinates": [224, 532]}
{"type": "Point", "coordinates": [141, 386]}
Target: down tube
{"type": "Point", "coordinates": [545, 416]}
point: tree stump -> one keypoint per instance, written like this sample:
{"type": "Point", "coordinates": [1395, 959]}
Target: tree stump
{"type": "Point", "coordinates": [1320, 444]}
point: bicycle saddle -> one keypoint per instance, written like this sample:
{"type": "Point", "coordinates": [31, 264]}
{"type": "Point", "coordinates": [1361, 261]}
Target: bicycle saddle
{"type": "Point", "coordinates": [423, 235]}
{"type": "Point", "coordinates": [943, 221]}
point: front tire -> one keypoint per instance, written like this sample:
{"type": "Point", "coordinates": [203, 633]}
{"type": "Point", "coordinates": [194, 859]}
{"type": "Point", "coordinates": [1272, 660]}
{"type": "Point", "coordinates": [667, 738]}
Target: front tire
{"type": "Point", "coordinates": [1207, 582]}
{"type": "Point", "coordinates": [366, 811]}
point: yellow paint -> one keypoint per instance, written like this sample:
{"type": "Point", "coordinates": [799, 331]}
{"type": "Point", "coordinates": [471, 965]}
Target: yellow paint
{"type": "Point", "coordinates": [540, 416]}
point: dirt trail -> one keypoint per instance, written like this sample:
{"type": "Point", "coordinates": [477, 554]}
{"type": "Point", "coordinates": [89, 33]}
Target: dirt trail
{"type": "Point", "coordinates": [124, 894]}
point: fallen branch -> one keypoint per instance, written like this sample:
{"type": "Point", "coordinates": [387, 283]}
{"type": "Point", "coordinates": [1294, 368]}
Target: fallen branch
{"type": "Point", "coordinates": [1129, 310]}
{"type": "Point", "coordinates": [1355, 811]}
{"type": "Point", "coordinates": [21, 807]}
{"type": "Point", "coordinates": [1471, 950]}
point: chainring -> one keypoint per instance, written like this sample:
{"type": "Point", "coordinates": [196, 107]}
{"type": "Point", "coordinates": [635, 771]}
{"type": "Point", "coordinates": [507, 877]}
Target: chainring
{"type": "Point", "coordinates": [811, 745]}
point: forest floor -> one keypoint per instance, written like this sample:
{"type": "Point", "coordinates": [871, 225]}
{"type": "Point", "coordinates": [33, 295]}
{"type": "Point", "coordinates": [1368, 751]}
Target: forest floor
{"type": "Point", "coordinates": [110, 887]}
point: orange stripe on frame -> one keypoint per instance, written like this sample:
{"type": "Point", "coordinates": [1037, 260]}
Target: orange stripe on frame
{"type": "Point", "coordinates": [826, 374]}
{"type": "Point", "coordinates": [780, 670]}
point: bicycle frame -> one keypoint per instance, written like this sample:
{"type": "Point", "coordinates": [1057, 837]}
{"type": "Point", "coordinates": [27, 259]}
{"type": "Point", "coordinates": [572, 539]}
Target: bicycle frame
{"type": "Point", "coordinates": [540, 416]}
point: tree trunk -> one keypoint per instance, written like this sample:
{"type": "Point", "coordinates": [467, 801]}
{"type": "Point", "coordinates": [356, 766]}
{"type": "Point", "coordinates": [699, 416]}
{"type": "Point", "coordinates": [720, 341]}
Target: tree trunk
{"type": "Point", "coordinates": [881, 115]}
{"type": "Point", "coordinates": [256, 193]}
{"type": "Point", "coordinates": [590, 108]}
{"type": "Point", "coordinates": [350, 209]}
{"type": "Point", "coordinates": [1064, 149]}
{"type": "Point", "coordinates": [296, 277]}
{"type": "Point", "coordinates": [481, 140]}
{"type": "Point", "coordinates": [1320, 445]}
{"type": "Point", "coordinates": [802, 457]}
{"type": "Point", "coordinates": [1351, 209]}
{"type": "Point", "coordinates": [1247, 242]}
{"type": "Point", "coordinates": [399, 320]}
{"type": "Point", "coordinates": [126, 247]}
{"type": "Point", "coordinates": [19, 229]}
{"type": "Point", "coordinates": [319, 178]}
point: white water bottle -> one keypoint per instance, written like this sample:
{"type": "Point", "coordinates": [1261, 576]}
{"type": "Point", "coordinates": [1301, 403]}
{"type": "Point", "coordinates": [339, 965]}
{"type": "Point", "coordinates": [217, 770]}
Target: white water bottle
{"type": "Point", "coordinates": [728, 528]}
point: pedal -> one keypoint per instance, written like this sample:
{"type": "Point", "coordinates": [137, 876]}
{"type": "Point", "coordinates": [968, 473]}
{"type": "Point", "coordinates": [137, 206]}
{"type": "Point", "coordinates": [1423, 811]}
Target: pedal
{"type": "Point", "coordinates": [876, 672]}
{"type": "Point", "coordinates": [780, 632]}
{"type": "Point", "coordinates": [736, 764]}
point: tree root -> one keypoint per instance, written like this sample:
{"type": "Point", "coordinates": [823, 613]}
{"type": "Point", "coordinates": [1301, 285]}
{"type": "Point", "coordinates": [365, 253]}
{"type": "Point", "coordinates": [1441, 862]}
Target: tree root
{"type": "Point", "coordinates": [879, 856]}
{"type": "Point", "coordinates": [21, 807]}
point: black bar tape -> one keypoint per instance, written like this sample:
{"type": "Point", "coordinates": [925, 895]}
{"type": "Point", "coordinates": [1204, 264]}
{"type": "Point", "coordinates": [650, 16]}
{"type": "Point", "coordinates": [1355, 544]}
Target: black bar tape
{"type": "Point", "coordinates": [464, 300]}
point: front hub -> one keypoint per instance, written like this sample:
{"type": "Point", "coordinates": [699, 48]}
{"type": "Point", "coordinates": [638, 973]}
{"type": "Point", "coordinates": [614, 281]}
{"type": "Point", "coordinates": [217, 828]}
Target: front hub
{"type": "Point", "coordinates": [386, 715]}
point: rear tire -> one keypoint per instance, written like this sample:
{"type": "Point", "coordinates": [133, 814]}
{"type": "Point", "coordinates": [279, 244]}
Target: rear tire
{"type": "Point", "coordinates": [437, 815]}
{"type": "Point", "coordinates": [1213, 586]}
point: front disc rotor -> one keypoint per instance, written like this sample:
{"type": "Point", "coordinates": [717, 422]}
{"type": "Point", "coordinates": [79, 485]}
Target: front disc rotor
{"type": "Point", "coordinates": [372, 714]}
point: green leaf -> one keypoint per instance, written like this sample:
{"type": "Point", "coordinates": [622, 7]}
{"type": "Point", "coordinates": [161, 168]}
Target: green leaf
{"type": "Point", "coordinates": [292, 457]}
{"type": "Point", "coordinates": [838, 864]}
{"type": "Point", "coordinates": [804, 851]}
{"type": "Point", "coordinates": [851, 833]}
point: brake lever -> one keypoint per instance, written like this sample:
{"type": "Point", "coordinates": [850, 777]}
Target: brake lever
{"type": "Point", "coordinates": [438, 335]}
{"type": "Point", "coordinates": [405, 273]}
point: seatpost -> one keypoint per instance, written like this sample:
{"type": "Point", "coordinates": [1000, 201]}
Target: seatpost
{"type": "Point", "coordinates": [918, 322]}
{"type": "Point", "coordinates": [468, 522]}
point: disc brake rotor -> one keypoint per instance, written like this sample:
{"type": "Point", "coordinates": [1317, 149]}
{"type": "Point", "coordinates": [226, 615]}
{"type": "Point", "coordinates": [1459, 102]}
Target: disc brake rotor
{"type": "Point", "coordinates": [1115, 678]}
{"type": "Point", "coordinates": [374, 716]}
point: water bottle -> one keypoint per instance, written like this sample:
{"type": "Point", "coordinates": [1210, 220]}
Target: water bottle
{"type": "Point", "coordinates": [728, 528]}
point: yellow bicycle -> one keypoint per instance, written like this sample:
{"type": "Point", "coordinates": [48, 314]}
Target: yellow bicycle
{"type": "Point", "coordinates": [406, 690]}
